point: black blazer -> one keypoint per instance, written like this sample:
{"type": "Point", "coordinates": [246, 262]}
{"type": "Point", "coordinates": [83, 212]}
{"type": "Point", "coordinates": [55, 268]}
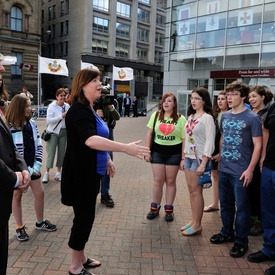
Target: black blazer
{"type": "Point", "coordinates": [10, 162]}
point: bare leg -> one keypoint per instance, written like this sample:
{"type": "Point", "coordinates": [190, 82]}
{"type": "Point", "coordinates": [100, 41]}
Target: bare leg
{"type": "Point", "coordinates": [78, 258]}
{"type": "Point", "coordinates": [196, 199]}
{"type": "Point", "coordinates": [38, 192]}
{"type": "Point", "coordinates": [171, 188]}
{"type": "Point", "coordinates": [17, 207]}
{"type": "Point", "coordinates": [159, 178]}
{"type": "Point", "coordinates": [215, 199]}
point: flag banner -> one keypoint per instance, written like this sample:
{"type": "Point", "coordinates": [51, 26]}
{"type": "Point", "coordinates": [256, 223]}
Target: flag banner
{"type": "Point", "coordinates": [213, 7]}
{"type": "Point", "coordinates": [85, 65]}
{"type": "Point", "coordinates": [8, 60]}
{"type": "Point", "coordinates": [212, 22]}
{"type": "Point", "coordinates": [52, 66]}
{"type": "Point", "coordinates": [245, 3]}
{"type": "Point", "coordinates": [245, 17]}
{"type": "Point", "coordinates": [27, 67]}
{"type": "Point", "coordinates": [123, 74]}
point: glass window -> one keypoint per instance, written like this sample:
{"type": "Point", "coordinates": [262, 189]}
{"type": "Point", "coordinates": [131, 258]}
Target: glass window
{"type": "Point", "coordinates": [220, 84]}
{"type": "Point", "coordinates": [211, 22]}
{"type": "Point", "coordinates": [49, 13]}
{"type": "Point", "coordinates": [123, 10]}
{"type": "Point", "coordinates": [184, 12]}
{"type": "Point", "coordinates": [42, 16]}
{"type": "Point", "coordinates": [184, 42]}
{"type": "Point", "coordinates": [62, 8]}
{"type": "Point", "coordinates": [143, 15]}
{"type": "Point", "coordinates": [16, 18]}
{"type": "Point", "coordinates": [122, 30]}
{"type": "Point", "coordinates": [99, 46]}
{"type": "Point", "coordinates": [142, 35]}
{"type": "Point", "coordinates": [236, 4]}
{"type": "Point", "coordinates": [142, 54]}
{"type": "Point", "coordinates": [66, 27]}
{"type": "Point", "coordinates": [268, 56]}
{"type": "Point", "coordinates": [162, 4]}
{"type": "Point", "coordinates": [269, 13]}
{"type": "Point", "coordinates": [268, 32]}
{"type": "Point", "coordinates": [61, 28]}
{"type": "Point", "coordinates": [101, 25]}
{"type": "Point", "coordinates": [160, 21]}
{"type": "Point", "coordinates": [211, 7]}
{"type": "Point", "coordinates": [210, 39]}
{"type": "Point", "coordinates": [145, 1]}
{"type": "Point", "coordinates": [122, 50]}
{"type": "Point", "coordinates": [16, 72]}
{"type": "Point", "coordinates": [101, 4]}
{"type": "Point", "coordinates": [53, 31]}
{"type": "Point", "coordinates": [159, 39]}
{"type": "Point", "coordinates": [193, 83]}
{"type": "Point", "coordinates": [54, 10]}
{"type": "Point", "coordinates": [158, 57]}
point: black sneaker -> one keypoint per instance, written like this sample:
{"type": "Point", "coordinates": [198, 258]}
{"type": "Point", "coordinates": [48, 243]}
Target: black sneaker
{"type": "Point", "coordinates": [219, 238]}
{"type": "Point", "coordinates": [238, 250]}
{"type": "Point", "coordinates": [21, 234]}
{"type": "Point", "coordinates": [46, 226]}
{"type": "Point", "coordinates": [169, 217]}
{"type": "Point", "coordinates": [107, 200]}
{"type": "Point", "coordinates": [154, 211]}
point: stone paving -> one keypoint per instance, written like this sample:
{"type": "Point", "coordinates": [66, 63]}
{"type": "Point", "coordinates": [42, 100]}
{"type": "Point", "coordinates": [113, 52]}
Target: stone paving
{"type": "Point", "coordinates": [122, 238]}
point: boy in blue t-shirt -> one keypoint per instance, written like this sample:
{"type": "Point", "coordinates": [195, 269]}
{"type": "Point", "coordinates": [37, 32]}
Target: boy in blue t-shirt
{"type": "Point", "coordinates": [241, 144]}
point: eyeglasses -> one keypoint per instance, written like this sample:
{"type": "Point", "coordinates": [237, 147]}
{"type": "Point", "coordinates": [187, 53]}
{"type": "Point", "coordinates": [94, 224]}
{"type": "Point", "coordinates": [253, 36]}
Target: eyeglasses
{"type": "Point", "coordinates": [232, 94]}
{"type": "Point", "coordinates": [195, 98]}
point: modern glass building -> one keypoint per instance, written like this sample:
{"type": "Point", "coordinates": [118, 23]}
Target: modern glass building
{"type": "Point", "coordinates": [212, 43]}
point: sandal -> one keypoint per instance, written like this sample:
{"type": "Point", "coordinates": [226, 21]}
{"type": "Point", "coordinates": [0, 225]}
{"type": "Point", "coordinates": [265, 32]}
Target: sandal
{"type": "Point", "coordinates": [92, 263]}
{"type": "Point", "coordinates": [82, 272]}
{"type": "Point", "coordinates": [57, 176]}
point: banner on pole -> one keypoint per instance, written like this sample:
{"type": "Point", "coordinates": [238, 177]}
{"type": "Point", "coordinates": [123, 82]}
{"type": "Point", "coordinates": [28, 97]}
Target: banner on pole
{"type": "Point", "coordinates": [52, 66]}
{"type": "Point", "coordinates": [85, 65]}
{"type": "Point", "coordinates": [123, 74]}
{"type": "Point", "coordinates": [8, 60]}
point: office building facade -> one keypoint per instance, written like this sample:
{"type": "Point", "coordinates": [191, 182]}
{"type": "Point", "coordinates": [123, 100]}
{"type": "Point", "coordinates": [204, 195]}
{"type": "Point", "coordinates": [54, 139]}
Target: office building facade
{"type": "Point", "coordinates": [20, 37]}
{"type": "Point", "coordinates": [214, 42]}
{"type": "Point", "coordinates": [105, 33]}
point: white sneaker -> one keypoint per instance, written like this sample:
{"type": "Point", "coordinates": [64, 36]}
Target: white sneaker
{"type": "Point", "coordinates": [46, 178]}
{"type": "Point", "coordinates": [57, 176]}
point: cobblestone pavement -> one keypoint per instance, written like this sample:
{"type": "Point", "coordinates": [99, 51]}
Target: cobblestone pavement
{"type": "Point", "coordinates": [122, 238]}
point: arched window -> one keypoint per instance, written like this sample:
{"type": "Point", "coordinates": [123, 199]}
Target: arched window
{"type": "Point", "coordinates": [16, 18]}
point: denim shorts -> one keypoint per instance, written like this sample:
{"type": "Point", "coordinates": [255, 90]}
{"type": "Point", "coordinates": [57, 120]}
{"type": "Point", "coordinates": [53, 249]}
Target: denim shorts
{"type": "Point", "coordinates": [165, 159]}
{"type": "Point", "coordinates": [191, 164]}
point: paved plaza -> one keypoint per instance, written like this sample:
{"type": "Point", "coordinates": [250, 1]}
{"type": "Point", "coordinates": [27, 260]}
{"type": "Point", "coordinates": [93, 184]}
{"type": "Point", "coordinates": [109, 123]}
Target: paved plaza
{"type": "Point", "coordinates": [122, 238]}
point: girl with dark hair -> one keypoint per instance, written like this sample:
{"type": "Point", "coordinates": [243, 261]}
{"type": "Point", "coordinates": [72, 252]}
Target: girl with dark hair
{"type": "Point", "coordinates": [165, 128]}
{"type": "Point", "coordinates": [199, 146]}
{"type": "Point", "coordinates": [220, 107]}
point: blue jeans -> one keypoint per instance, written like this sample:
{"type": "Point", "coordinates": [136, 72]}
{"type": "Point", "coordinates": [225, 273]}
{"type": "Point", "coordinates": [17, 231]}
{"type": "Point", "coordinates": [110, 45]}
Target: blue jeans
{"type": "Point", "coordinates": [268, 210]}
{"type": "Point", "coordinates": [234, 203]}
{"type": "Point", "coordinates": [105, 180]}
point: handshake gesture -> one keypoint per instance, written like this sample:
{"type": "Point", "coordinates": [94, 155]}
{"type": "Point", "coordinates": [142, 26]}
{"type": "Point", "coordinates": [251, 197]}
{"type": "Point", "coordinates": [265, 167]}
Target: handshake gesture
{"type": "Point", "coordinates": [24, 180]}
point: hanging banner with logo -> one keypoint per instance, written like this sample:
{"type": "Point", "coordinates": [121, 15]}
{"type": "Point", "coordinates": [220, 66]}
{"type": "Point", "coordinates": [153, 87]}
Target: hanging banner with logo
{"type": "Point", "coordinates": [52, 66]}
{"type": "Point", "coordinates": [123, 74]}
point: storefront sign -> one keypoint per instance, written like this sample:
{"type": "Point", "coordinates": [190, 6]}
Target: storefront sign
{"type": "Point", "coordinates": [249, 73]}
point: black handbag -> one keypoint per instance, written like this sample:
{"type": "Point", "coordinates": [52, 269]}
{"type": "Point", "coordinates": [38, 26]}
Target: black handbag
{"type": "Point", "coordinates": [46, 136]}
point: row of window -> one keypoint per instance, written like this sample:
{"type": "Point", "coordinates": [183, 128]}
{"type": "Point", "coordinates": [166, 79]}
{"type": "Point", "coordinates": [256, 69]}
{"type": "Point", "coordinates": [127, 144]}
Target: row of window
{"type": "Point", "coordinates": [64, 9]}
{"type": "Point", "coordinates": [52, 32]}
{"type": "Point", "coordinates": [123, 30]}
{"type": "Point", "coordinates": [122, 51]}
{"type": "Point", "coordinates": [124, 10]}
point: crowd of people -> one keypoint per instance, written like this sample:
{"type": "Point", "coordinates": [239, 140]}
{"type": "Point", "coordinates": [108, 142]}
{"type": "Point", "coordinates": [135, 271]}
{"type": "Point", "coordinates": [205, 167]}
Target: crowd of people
{"type": "Point", "coordinates": [232, 142]}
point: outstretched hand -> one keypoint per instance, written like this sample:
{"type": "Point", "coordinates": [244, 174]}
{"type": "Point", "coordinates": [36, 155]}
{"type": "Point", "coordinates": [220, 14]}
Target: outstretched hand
{"type": "Point", "coordinates": [134, 149]}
